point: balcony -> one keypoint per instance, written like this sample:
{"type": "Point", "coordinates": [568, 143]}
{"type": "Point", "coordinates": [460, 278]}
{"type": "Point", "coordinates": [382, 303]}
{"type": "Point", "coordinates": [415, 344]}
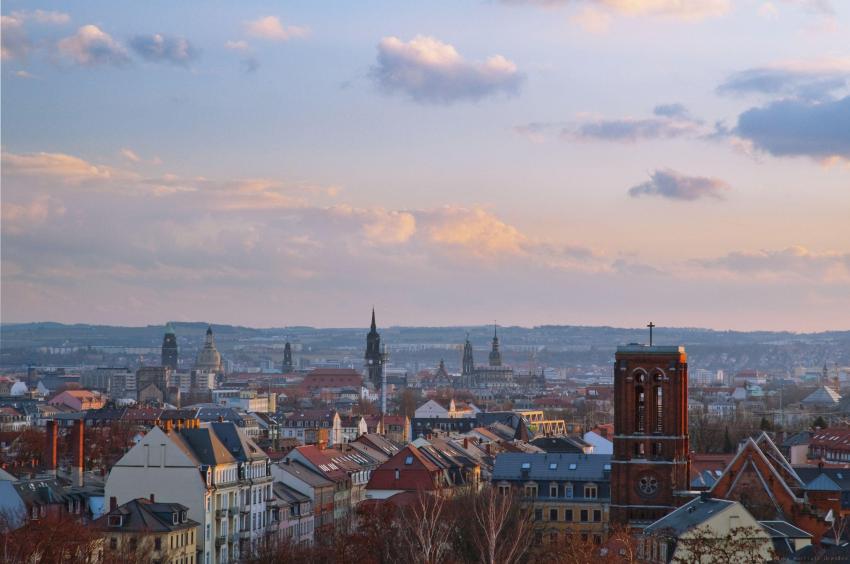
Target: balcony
{"type": "Point", "coordinates": [221, 513]}
{"type": "Point", "coordinates": [220, 541]}
{"type": "Point", "coordinates": [273, 502]}
{"type": "Point", "coordinates": [245, 535]}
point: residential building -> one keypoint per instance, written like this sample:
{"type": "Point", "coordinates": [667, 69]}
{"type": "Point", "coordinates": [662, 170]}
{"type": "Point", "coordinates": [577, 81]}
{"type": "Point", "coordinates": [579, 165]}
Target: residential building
{"type": "Point", "coordinates": [317, 488]}
{"type": "Point", "coordinates": [687, 533]}
{"type": "Point", "coordinates": [156, 532]}
{"type": "Point", "coordinates": [294, 514]}
{"type": "Point", "coordinates": [306, 426]}
{"type": "Point", "coordinates": [567, 493]}
{"type": "Point", "coordinates": [222, 477]}
{"type": "Point", "coordinates": [79, 400]}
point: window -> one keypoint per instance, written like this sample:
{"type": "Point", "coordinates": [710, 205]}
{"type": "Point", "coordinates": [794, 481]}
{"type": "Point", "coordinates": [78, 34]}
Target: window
{"type": "Point", "coordinates": [157, 543]}
{"type": "Point", "coordinates": [553, 466]}
{"type": "Point", "coordinates": [553, 514]}
{"type": "Point", "coordinates": [590, 491]}
{"type": "Point", "coordinates": [657, 448]}
{"type": "Point", "coordinates": [568, 490]}
{"type": "Point", "coordinates": [503, 489]}
{"type": "Point", "coordinates": [584, 517]}
{"type": "Point", "coordinates": [553, 490]}
{"type": "Point", "coordinates": [640, 411]}
{"type": "Point", "coordinates": [568, 515]}
{"type": "Point", "coordinates": [113, 543]}
{"type": "Point", "coordinates": [531, 491]}
{"type": "Point", "coordinates": [526, 465]}
{"type": "Point", "coordinates": [115, 520]}
{"type": "Point", "coordinates": [408, 460]}
{"type": "Point", "coordinates": [572, 466]}
{"type": "Point", "coordinates": [597, 515]}
{"type": "Point", "coordinates": [659, 409]}
{"type": "Point", "coordinates": [396, 473]}
{"type": "Point", "coordinates": [639, 450]}
{"type": "Point", "coordinates": [538, 514]}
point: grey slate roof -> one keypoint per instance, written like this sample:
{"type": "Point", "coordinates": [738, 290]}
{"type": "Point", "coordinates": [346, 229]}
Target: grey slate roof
{"type": "Point", "coordinates": [305, 474]}
{"type": "Point", "coordinates": [588, 467]}
{"type": "Point", "coordinates": [206, 446]}
{"type": "Point", "coordinates": [822, 396]}
{"type": "Point", "coordinates": [240, 447]}
{"type": "Point", "coordinates": [144, 516]}
{"type": "Point", "coordinates": [690, 515]}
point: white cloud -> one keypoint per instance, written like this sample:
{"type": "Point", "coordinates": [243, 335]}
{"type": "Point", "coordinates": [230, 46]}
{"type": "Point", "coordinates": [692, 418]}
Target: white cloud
{"type": "Point", "coordinates": [60, 166]}
{"type": "Point", "coordinates": [15, 42]}
{"type": "Point", "coordinates": [271, 28]}
{"type": "Point", "coordinates": [430, 71]}
{"type": "Point", "coordinates": [240, 45]}
{"type": "Point", "coordinates": [91, 46]}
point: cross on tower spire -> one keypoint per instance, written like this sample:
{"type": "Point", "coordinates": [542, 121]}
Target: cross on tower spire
{"type": "Point", "coordinates": [651, 325]}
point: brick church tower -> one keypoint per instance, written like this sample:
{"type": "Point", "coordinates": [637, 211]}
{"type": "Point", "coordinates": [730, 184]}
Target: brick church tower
{"type": "Point", "coordinates": [650, 468]}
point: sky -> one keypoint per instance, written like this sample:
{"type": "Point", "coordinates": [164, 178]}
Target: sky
{"type": "Point", "coordinates": [586, 162]}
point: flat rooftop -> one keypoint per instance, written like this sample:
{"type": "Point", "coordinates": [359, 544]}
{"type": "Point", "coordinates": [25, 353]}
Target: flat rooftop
{"type": "Point", "coordinates": [654, 349]}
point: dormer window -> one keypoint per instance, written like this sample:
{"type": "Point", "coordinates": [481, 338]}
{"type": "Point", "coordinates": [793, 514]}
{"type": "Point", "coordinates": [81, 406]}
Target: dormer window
{"type": "Point", "coordinates": [116, 520]}
{"type": "Point", "coordinates": [174, 518]}
{"type": "Point", "coordinates": [183, 516]}
{"type": "Point", "coordinates": [408, 461]}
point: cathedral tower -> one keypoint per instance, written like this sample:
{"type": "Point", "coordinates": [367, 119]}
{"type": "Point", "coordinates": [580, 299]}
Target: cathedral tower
{"type": "Point", "coordinates": [169, 348]}
{"type": "Point", "coordinates": [495, 355]}
{"type": "Point", "coordinates": [375, 357]}
{"type": "Point", "coordinates": [650, 466]}
{"type": "Point", "coordinates": [468, 362]}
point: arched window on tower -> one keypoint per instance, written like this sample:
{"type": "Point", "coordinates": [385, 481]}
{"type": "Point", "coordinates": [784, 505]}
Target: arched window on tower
{"type": "Point", "coordinates": [659, 409]}
{"type": "Point", "coordinates": [640, 410]}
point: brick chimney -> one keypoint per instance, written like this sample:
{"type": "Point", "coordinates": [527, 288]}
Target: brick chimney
{"type": "Point", "coordinates": [50, 448]}
{"type": "Point", "coordinates": [113, 503]}
{"type": "Point", "coordinates": [78, 452]}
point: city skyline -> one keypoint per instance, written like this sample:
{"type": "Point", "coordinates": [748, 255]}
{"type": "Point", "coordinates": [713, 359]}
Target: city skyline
{"type": "Point", "coordinates": [584, 163]}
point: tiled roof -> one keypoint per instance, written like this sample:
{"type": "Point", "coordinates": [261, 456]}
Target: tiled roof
{"type": "Point", "coordinates": [144, 516]}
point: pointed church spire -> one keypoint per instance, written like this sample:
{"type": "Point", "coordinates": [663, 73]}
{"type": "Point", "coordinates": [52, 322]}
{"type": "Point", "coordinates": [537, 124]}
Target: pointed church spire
{"type": "Point", "coordinates": [374, 327]}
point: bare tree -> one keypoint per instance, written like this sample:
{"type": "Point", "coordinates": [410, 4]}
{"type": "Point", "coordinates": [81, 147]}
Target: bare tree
{"type": "Point", "coordinates": [503, 530]}
{"type": "Point", "coordinates": [426, 528]}
{"type": "Point", "coordinates": [740, 545]}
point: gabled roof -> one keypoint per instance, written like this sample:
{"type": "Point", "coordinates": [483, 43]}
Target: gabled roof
{"type": "Point", "coordinates": [144, 516]}
{"type": "Point", "coordinates": [204, 445]}
{"type": "Point", "coordinates": [822, 396]}
{"type": "Point", "coordinates": [288, 494]}
{"type": "Point", "coordinates": [689, 516]}
{"type": "Point", "coordinates": [408, 470]}
{"type": "Point", "coordinates": [305, 474]}
{"type": "Point", "coordinates": [237, 443]}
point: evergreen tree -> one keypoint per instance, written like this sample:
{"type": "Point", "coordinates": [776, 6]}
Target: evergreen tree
{"type": "Point", "coordinates": [820, 422]}
{"type": "Point", "coordinates": [765, 425]}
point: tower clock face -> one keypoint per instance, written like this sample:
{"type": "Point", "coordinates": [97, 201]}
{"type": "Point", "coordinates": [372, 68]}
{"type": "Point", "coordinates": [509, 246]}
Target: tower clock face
{"type": "Point", "coordinates": [647, 485]}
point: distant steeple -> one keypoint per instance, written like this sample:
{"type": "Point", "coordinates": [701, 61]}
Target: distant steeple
{"type": "Point", "coordinates": [468, 361]}
{"type": "Point", "coordinates": [169, 348]}
{"type": "Point", "coordinates": [374, 355]}
{"type": "Point", "coordinates": [495, 355]}
{"type": "Point", "coordinates": [287, 358]}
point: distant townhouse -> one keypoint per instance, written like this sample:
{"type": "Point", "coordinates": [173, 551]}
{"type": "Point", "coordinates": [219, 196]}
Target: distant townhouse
{"type": "Point", "coordinates": [79, 400]}
{"type": "Point", "coordinates": [295, 517]}
{"type": "Point", "coordinates": [567, 493]}
{"type": "Point", "coordinates": [316, 487]}
{"type": "Point", "coordinates": [830, 445]}
{"type": "Point", "coordinates": [307, 426]}
{"type": "Point", "coordinates": [351, 427]}
{"type": "Point", "coordinates": [154, 531]}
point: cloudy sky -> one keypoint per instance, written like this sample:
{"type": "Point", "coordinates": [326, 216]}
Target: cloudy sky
{"type": "Point", "coordinates": [543, 161]}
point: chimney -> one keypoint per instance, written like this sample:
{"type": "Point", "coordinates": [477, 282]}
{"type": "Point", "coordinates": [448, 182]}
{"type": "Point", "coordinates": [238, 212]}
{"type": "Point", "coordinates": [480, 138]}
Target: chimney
{"type": "Point", "coordinates": [169, 425]}
{"type": "Point", "coordinates": [113, 503]}
{"type": "Point", "coordinates": [78, 452]}
{"type": "Point", "coordinates": [152, 499]}
{"type": "Point", "coordinates": [179, 424]}
{"type": "Point", "coordinates": [466, 443]}
{"type": "Point", "coordinates": [221, 418]}
{"type": "Point", "coordinates": [50, 448]}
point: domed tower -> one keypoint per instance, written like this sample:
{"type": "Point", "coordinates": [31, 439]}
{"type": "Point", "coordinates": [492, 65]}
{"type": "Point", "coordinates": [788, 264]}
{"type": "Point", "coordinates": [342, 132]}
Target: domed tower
{"type": "Point", "coordinates": [169, 348]}
{"type": "Point", "coordinates": [495, 355]}
{"type": "Point", "coordinates": [209, 359]}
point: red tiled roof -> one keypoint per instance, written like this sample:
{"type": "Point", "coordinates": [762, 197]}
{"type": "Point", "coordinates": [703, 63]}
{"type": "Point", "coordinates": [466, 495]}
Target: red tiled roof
{"type": "Point", "coordinates": [419, 474]}
{"type": "Point", "coordinates": [333, 378]}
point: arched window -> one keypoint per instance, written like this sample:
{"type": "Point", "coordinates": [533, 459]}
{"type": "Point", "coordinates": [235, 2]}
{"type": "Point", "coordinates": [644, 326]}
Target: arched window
{"type": "Point", "coordinates": [640, 410]}
{"type": "Point", "coordinates": [659, 409]}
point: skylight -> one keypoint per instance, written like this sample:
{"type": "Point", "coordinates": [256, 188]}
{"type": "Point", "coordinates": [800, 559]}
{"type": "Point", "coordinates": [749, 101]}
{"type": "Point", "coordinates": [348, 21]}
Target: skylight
{"type": "Point", "coordinates": [572, 466]}
{"type": "Point", "coordinates": [606, 467]}
{"type": "Point", "coordinates": [526, 465]}
{"type": "Point", "coordinates": [408, 460]}
{"type": "Point", "coordinates": [553, 466]}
